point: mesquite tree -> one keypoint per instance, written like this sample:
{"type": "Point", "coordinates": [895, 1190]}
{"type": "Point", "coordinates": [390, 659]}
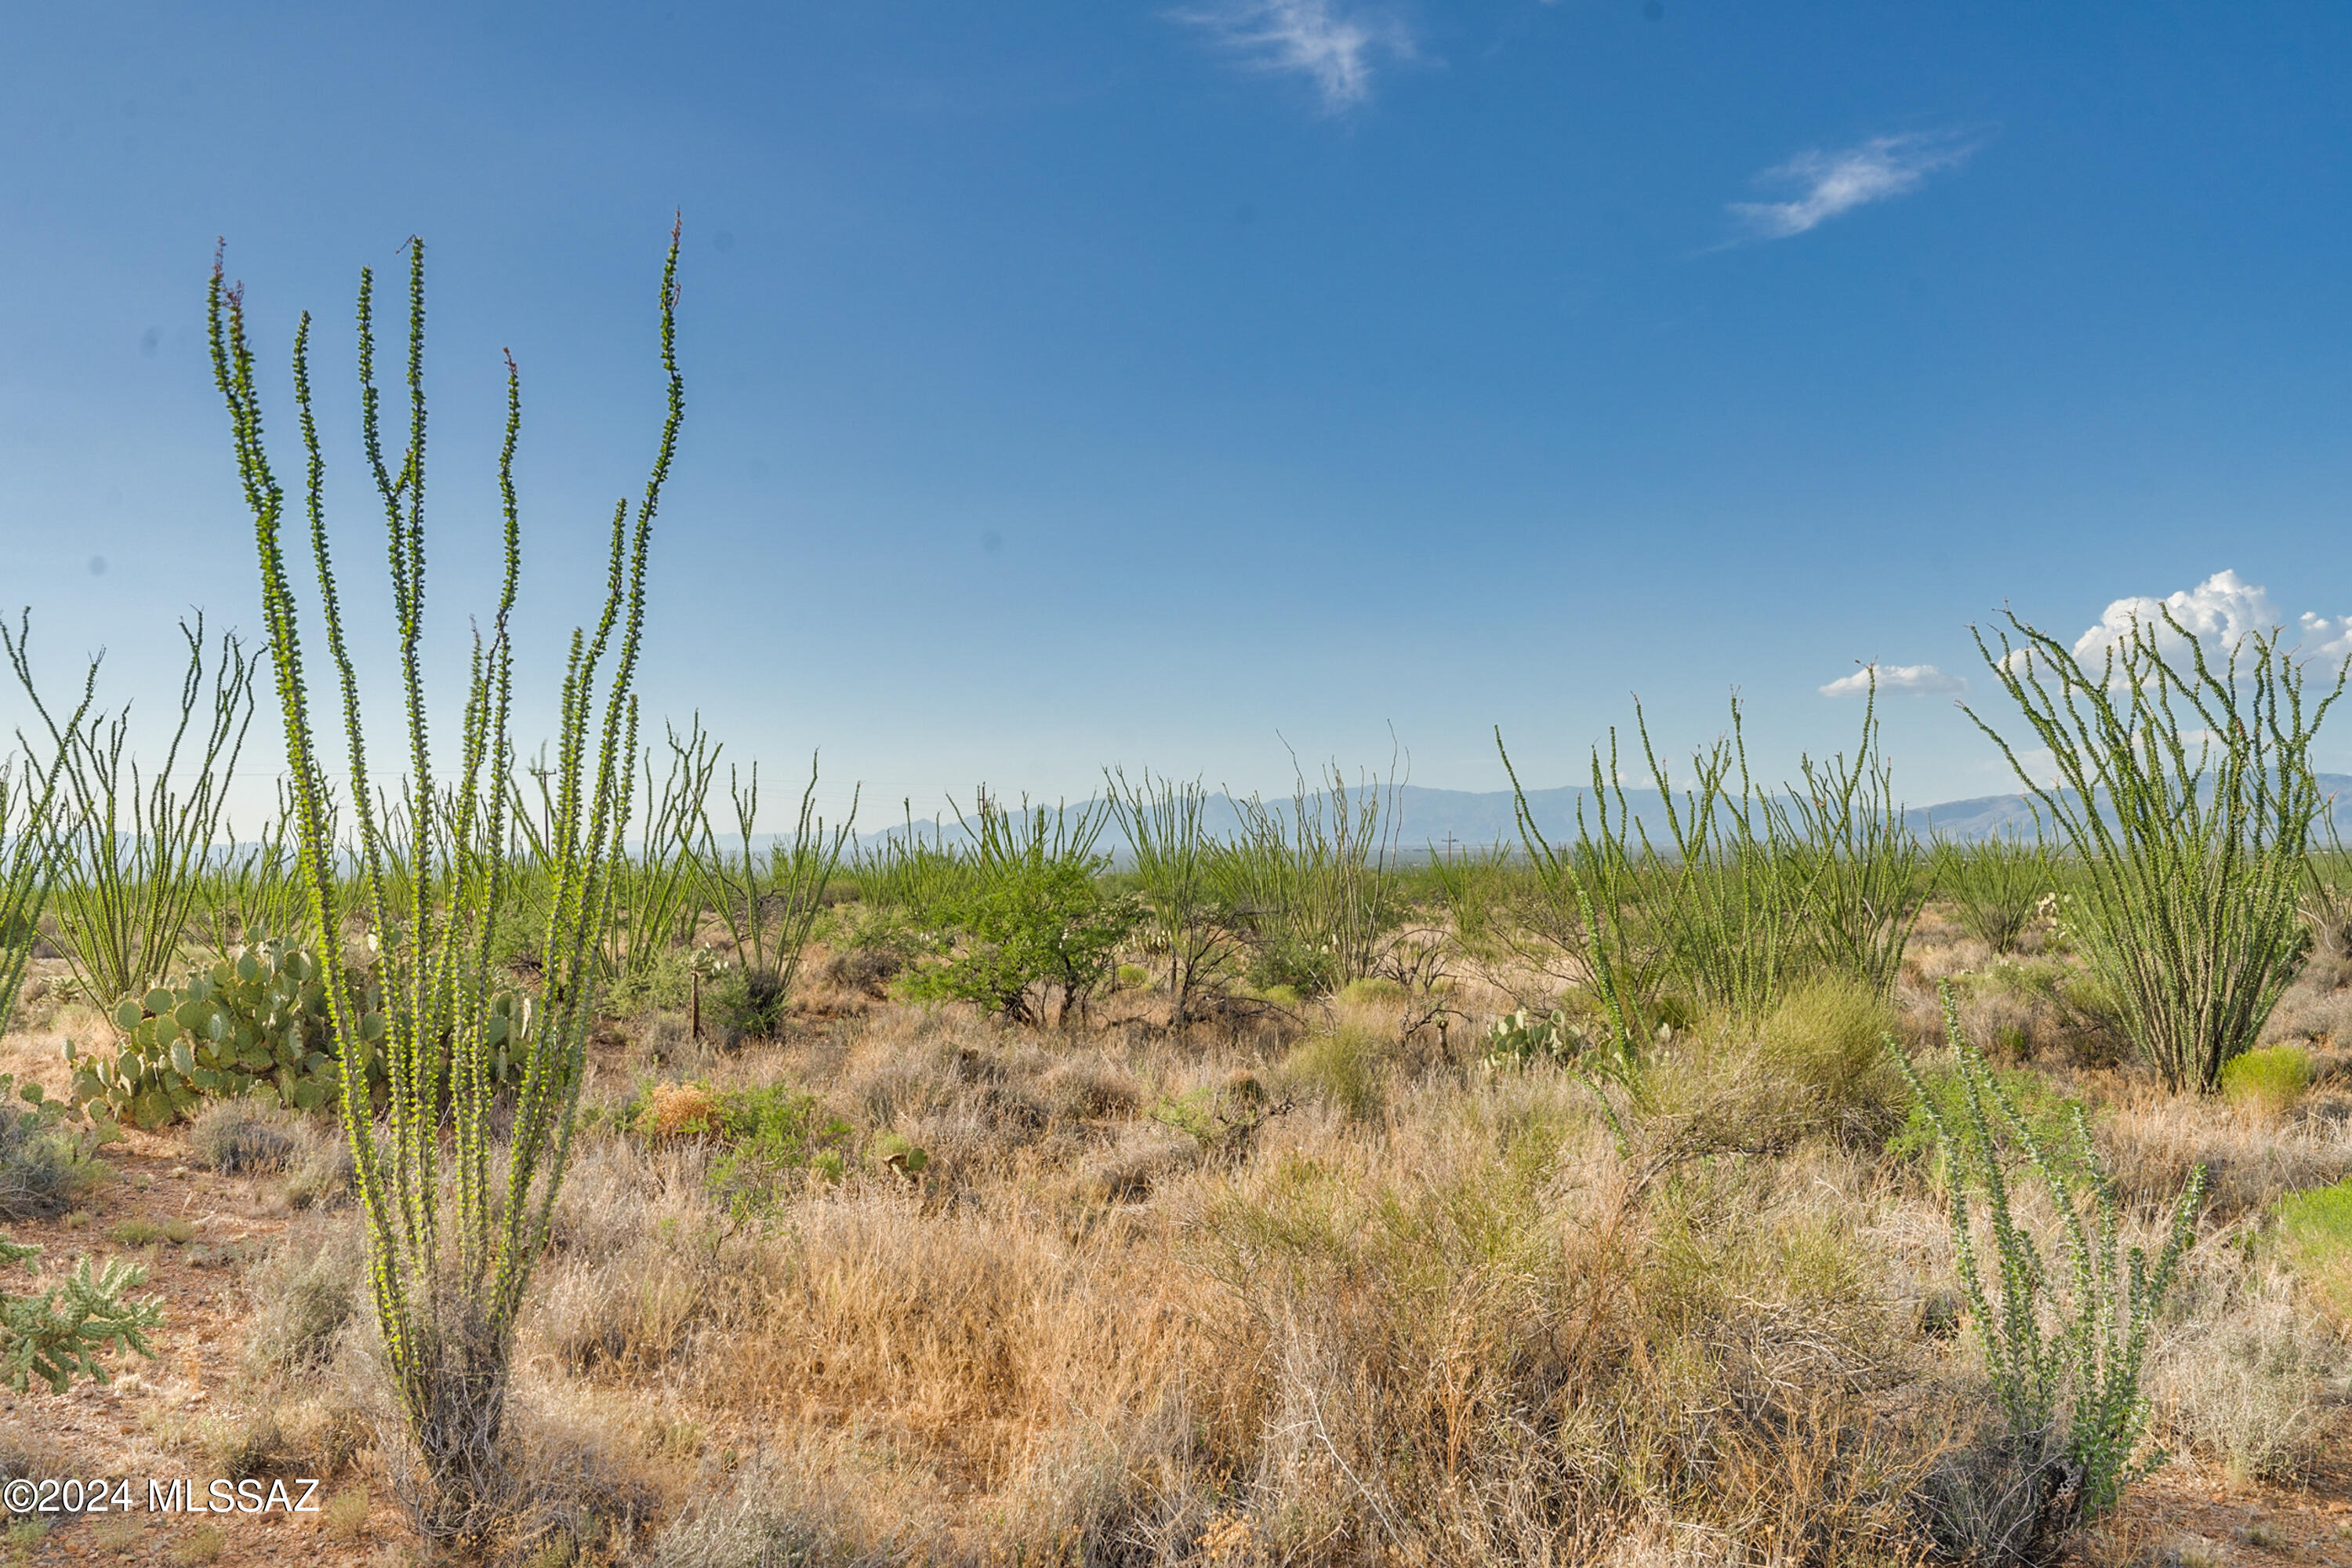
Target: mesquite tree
{"type": "Point", "coordinates": [429, 873]}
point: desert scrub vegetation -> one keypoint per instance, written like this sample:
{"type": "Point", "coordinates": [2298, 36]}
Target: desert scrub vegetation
{"type": "Point", "coordinates": [1750, 1181]}
{"type": "Point", "coordinates": [2187, 796]}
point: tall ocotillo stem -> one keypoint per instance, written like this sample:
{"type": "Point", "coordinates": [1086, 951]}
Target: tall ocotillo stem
{"type": "Point", "coordinates": [432, 880]}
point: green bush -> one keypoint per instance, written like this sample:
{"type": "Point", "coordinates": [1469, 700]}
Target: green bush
{"type": "Point", "coordinates": [1032, 919]}
{"type": "Point", "coordinates": [2034, 1097]}
{"type": "Point", "coordinates": [2316, 1227]}
{"type": "Point", "coordinates": [1826, 1042]}
{"type": "Point", "coordinates": [1375, 991]}
{"type": "Point", "coordinates": [767, 1137]}
{"type": "Point", "coordinates": [2269, 1081]}
{"type": "Point", "coordinates": [1220, 1119]}
{"type": "Point", "coordinates": [1342, 1066]}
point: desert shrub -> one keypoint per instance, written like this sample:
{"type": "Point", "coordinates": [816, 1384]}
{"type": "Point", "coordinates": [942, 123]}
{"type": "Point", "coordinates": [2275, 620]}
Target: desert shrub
{"type": "Point", "coordinates": [1345, 1067]}
{"type": "Point", "coordinates": [2034, 1098]}
{"type": "Point", "coordinates": [869, 963]}
{"type": "Point", "coordinates": [2187, 794]}
{"type": "Point", "coordinates": [764, 1137]}
{"type": "Point", "coordinates": [1090, 1089]}
{"type": "Point", "coordinates": [677, 1111]}
{"type": "Point", "coordinates": [2316, 1228]}
{"type": "Point", "coordinates": [1826, 1043]}
{"type": "Point", "coordinates": [302, 1295]}
{"type": "Point", "coordinates": [2152, 1146]}
{"type": "Point", "coordinates": [2065, 1359]}
{"type": "Point", "coordinates": [2243, 1373]}
{"type": "Point", "coordinates": [1371, 1285]}
{"type": "Point", "coordinates": [319, 1174]}
{"type": "Point", "coordinates": [773, 1131]}
{"type": "Point", "coordinates": [239, 1137]}
{"type": "Point", "coordinates": [1223, 1119]}
{"type": "Point", "coordinates": [2269, 1081]}
{"type": "Point", "coordinates": [660, 981]}
{"type": "Point", "coordinates": [1374, 991]}
{"type": "Point", "coordinates": [44, 1165]}
{"type": "Point", "coordinates": [770, 1514]}
{"type": "Point", "coordinates": [1032, 918]}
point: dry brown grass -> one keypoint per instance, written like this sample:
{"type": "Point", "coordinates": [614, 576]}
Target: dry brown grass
{"type": "Point", "coordinates": [2154, 1141]}
{"type": "Point", "coordinates": [1427, 1314]}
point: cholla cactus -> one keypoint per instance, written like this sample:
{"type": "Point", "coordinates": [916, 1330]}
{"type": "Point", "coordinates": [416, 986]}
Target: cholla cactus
{"type": "Point", "coordinates": [59, 1334]}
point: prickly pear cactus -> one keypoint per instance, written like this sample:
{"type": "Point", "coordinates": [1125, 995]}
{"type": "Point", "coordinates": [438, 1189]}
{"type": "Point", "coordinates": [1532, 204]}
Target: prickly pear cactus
{"type": "Point", "coordinates": [256, 1022]}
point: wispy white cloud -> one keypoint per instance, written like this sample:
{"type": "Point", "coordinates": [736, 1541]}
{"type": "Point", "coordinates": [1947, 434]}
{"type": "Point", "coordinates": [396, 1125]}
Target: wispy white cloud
{"type": "Point", "coordinates": [1837, 181]}
{"type": "Point", "coordinates": [1916, 679]}
{"type": "Point", "coordinates": [1332, 45]}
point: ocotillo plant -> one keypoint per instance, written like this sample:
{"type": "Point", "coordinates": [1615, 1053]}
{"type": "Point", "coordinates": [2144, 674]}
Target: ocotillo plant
{"type": "Point", "coordinates": [2187, 797]}
{"type": "Point", "coordinates": [447, 1287]}
{"type": "Point", "coordinates": [1859, 867]}
{"type": "Point", "coordinates": [792, 884]}
{"type": "Point", "coordinates": [137, 846]}
{"type": "Point", "coordinates": [28, 839]}
{"type": "Point", "coordinates": [1176, 873]}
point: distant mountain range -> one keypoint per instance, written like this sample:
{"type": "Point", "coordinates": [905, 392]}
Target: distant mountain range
{"type": "Point", "coordinates": [1440, 819]}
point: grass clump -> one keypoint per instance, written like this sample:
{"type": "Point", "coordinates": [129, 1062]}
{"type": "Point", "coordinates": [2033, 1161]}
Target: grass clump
{"type": "Point", "coordinates": [302, 1295]}
{"type": "Point", "coordinates": [2316, 1228]}
{"type": "Point", "coordinates": [1343, 1067]}
{"type": "Point", "coordinates": [242, 1137]}
{"type": "Point", "coordinates": [1825, 1044]}
{"type": "Point", "coordinates": [43, 1167]}
{"type": "Point", "coordinates": [139, 1231]}
{"type": "Point", "coordinates": [2269, 1081]}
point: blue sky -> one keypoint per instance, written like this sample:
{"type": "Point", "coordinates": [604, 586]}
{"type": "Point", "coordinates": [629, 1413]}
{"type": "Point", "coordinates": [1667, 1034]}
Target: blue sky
{"type": "Point", "coordinates": [1161, 384]}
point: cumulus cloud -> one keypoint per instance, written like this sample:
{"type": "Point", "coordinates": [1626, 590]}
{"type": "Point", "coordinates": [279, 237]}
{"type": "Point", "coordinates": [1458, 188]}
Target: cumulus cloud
{"type": "Point", "coordinates": [1330, 45]}
{"type": "Point", "coordinates": [2220, 612]}
{"type": "Point", "coordinates": [1835, 182]}
{"type": "Point", "coordinates": [1916, 680]}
